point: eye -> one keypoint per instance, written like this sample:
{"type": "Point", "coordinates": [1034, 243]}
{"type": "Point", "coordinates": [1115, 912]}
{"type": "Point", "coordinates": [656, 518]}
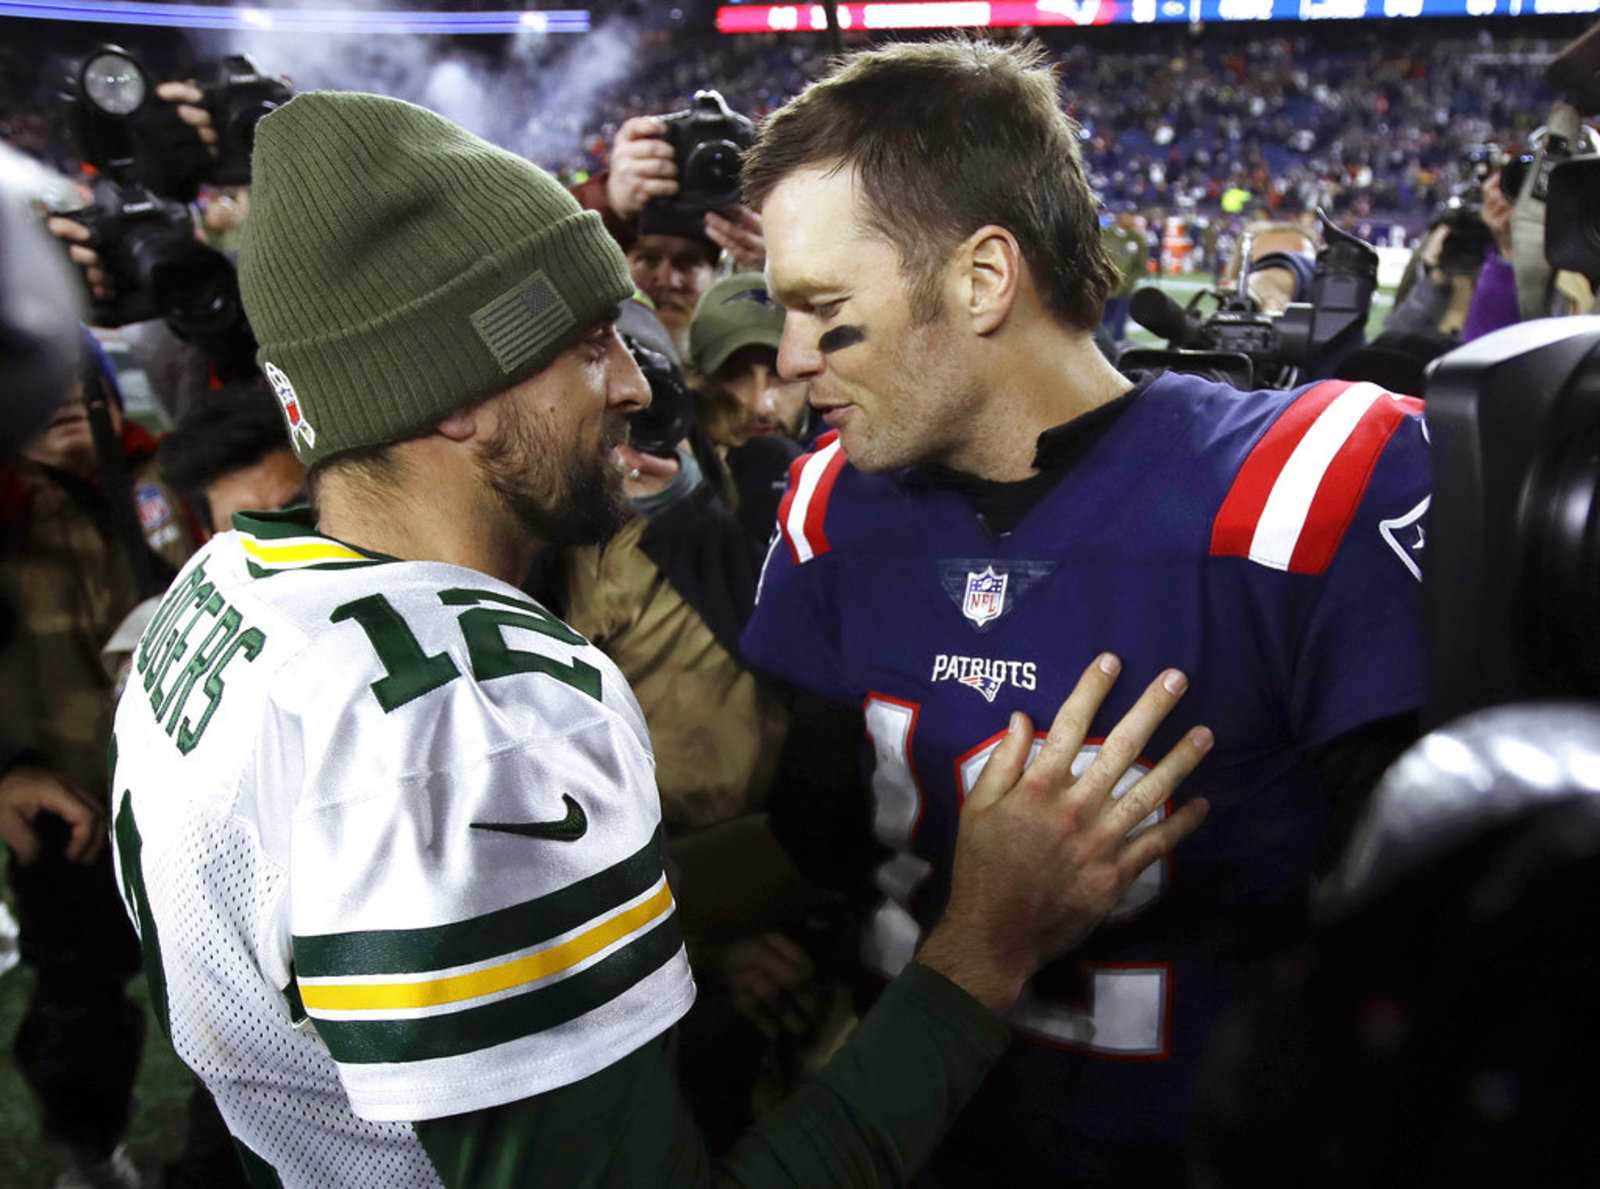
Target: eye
{"type": "Point", "coordinates": [827, 309]}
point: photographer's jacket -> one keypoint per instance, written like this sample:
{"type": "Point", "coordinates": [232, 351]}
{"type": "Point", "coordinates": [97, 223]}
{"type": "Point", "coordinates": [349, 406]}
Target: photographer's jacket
{"type": "Point", "coordinates": [1267, 544]}
{"type": "Point", "coordinates": [65, 584]}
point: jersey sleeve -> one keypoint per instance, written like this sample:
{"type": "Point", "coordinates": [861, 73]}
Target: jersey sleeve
{"type": "Point", "coordinates": [794, 631]}
{"type": "Point", "coordinates": [1358, 653]}
{"type": "Point", "coordinates": [476, 899]}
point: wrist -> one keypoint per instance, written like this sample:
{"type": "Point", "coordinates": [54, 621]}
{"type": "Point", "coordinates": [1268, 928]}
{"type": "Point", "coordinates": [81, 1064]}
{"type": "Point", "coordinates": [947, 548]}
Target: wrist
{"type": "Point", "coordinates": [965, 957]}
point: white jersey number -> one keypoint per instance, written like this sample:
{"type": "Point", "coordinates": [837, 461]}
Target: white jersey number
{"type": "Point", "coordinates": [1118, 1010]}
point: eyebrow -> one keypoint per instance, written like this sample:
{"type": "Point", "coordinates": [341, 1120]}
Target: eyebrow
{"type": "Point", "coordinates": [799, 288]}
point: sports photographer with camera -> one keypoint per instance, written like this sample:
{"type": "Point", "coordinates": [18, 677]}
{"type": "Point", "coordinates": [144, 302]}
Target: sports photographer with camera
{"type": "Point", "coordinates": [670, 198]}
{"type": "Point", "coordinates": [145, 262]}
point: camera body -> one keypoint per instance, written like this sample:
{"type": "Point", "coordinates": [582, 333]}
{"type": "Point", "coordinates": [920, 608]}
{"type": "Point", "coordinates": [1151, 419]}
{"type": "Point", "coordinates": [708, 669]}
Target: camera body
{"type": "Point", "coordinates": [708, 139]}
{"type": "Point", "coordinates": [1246, 346]}
{"type": "Point", "coordinates": [669, 417]}
{"type": "Point", "coordinates": [238, 95]}
{"type": "Point", "coordinates": [1512, 575]}
{"type": "Point", "coordinates": [147, 244]}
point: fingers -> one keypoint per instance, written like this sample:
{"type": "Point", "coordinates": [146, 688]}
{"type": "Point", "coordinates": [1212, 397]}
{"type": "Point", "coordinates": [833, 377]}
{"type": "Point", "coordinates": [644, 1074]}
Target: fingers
{"type": "Point", "coordinates": [640, 128]}
{"type": "Point", "coordinates": [1005, 765]}
{"type": "Point", "coordinates": [1157, 785]}
{"type": "Point", "coordinates": [653, 167]}
{"type": "Point", "coordinates": [83, 820]}
{"type": "Point", "coordinates": [1071, 725]}
{"type": "Point", "coordinates": [796, 964]}
{"type": "Point", "coordinates": [176, 91]}
{"type": "Point", "coordinates": [739, 231]}
{"type": "Point", "coordinates": [1128, 738]}
{"type": "Point", "coordinates": [16, 831]}
{"type": "Point", "coordinates": [1159, 841]}
{"type": "Point", "coordinates": [655, 187]}
{"type": "Point", "coordinates": [67, 229]}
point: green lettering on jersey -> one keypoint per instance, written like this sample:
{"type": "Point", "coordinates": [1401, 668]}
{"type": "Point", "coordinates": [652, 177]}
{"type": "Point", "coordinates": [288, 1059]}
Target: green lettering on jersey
{"type": "Point", "coordinates": [492, 657]}
{"type": "Point", "coordinates": [250, 642]}
{"type": "Point", "coordinates": [170, 604]}
{"type": "Point", "coordinates": [210, 648]}
{"type": "Point", "coordinates": [409, 673]}
{"type": "Point", "coordinates": [176, 642]}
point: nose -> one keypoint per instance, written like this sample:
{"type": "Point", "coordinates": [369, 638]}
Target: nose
{"type": "Point", "coordinates": [627, 390]}
{"type": "Point", "coordinates": [798, 355]}
{"type": "Point", "coordinates": [767, 385]}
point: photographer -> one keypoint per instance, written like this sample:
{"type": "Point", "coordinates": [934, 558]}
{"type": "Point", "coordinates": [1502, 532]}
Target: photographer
{"type": "Point", "coordinates": [672, 257]}
{"type": "Point", "coordinates": [201, 338]}
{"type": "Point", "coordinates": [67, 578]}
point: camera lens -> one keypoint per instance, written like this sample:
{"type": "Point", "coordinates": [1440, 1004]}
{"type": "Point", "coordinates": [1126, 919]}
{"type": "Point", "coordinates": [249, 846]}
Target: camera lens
{"type": "Point", "coordinates": [114, 83]}
{"type": "Point", "coordinates": [1513, 173]}
{"type": "Point", "coordinates": [713, 168]}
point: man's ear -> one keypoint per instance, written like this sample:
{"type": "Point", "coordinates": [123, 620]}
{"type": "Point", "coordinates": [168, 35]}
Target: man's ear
{"type": "Point", "coordinates": [461, 425]}
{"type": "Point", "coordinates": [994, 277]}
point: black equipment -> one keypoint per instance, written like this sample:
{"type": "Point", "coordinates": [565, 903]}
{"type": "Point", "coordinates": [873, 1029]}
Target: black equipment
{"type": "Point", "coordinates": [1246, 346]}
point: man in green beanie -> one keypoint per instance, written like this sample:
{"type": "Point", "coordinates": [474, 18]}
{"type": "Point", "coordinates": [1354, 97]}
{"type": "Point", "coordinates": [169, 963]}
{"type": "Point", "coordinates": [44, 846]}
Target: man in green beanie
{"type": "Point", "coordinates": [389, 829]}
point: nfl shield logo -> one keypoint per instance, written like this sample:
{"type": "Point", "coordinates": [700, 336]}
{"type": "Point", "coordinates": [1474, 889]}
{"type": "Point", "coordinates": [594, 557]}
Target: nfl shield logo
{"type": "Point", "coordinates": [986, 596]}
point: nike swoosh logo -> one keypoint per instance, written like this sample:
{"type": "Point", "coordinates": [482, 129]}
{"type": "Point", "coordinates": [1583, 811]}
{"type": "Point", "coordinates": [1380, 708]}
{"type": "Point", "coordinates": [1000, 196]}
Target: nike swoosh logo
{"type": "Point", "coordinates": [568, 829]}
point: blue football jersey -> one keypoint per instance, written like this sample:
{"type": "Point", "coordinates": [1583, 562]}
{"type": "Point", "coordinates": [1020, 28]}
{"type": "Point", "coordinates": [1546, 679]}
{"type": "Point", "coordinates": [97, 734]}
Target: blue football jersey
{"type": "Point", "coordinates": [1266, 543]}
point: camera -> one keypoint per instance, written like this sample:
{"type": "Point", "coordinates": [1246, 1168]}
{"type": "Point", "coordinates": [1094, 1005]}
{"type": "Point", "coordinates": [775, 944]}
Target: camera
{"type": "Point", "coordinates": [238, 95]}
{"type": "Point", "coordinates": [708, 139]}
{"type": "Point", "coordinates": [1512, 576]}
{"type": "Point", "coordinates": [142, 231]}
{"type": "Point", "coordinates": [1246, 346]}
{"type": "Point", "coordinates": [659, 428]}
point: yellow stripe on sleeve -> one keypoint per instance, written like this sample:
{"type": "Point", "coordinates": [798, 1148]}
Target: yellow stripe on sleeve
{"type": "Point", "coordinates": [505, 976]}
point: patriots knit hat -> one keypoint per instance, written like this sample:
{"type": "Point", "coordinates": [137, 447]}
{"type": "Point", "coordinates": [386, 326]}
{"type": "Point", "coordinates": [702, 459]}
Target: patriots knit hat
{"type": "Point", "coordinates": [396, 268]}
{"type": "Point", "coordinates": [736, 312]}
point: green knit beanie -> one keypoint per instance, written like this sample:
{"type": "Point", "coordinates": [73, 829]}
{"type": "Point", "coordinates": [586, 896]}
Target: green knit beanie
{"type": "Point", "coordinates": [396, 268]}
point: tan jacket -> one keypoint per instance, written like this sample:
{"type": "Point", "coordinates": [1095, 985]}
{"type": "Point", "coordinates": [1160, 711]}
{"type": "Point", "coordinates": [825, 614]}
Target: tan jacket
{"type": "Point", "coordinates": [715, 727]}
{"type": "Point", "coordinates": [65, 585]}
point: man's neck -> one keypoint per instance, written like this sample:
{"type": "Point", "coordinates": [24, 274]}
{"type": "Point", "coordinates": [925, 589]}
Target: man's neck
{"type": "Point", "coordinates": [1054, 378]}
{"type": "Point", "coordinates": [434, 527]}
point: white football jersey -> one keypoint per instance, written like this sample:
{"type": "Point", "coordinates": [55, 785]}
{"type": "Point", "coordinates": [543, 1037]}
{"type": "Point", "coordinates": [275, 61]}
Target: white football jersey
{"type": "Point", "coordinates": [390, 834]}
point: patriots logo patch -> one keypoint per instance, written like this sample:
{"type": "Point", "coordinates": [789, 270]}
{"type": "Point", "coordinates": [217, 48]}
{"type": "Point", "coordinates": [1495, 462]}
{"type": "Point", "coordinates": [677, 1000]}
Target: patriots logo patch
{"type": "Point", "coordinates": [985, 685]}
{"type": "Point", "coordinates": [987, 675]}
{"type": "Point", "coordinates": [758, 295]}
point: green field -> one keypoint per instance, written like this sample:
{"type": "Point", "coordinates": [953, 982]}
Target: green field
{"type": "Point", "coordinates": [160, 1121]}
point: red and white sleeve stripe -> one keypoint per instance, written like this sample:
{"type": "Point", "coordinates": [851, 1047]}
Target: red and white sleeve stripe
{"type": "Point", "coordinates": [805, 504]}
{"type": "Point", "coordinates": [1298, 491]}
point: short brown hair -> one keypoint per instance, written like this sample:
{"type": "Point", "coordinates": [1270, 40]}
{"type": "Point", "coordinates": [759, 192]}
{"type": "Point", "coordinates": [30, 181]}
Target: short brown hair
{"type": "Point", "coordinates": [950, 136]}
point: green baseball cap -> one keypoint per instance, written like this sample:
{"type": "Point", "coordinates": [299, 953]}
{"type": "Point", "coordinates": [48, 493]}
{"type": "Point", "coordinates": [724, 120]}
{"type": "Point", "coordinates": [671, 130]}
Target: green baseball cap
{"type": "Point", "coordinates": [736, 312]}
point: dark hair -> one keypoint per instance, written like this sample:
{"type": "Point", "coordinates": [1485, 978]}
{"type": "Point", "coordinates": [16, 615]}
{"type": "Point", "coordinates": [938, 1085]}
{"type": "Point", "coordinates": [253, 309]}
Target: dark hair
{"type": "Point", "coordinates": [235, 427]}
{"type": "Point", "coordinates": [947, 137]}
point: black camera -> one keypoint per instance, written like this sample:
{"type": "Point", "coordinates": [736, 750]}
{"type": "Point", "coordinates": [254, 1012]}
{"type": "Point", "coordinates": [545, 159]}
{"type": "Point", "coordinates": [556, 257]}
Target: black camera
{"type": "Point", "coordinates": [670, 416]}
{"type": "Point", "coordinates": [238, 95]}
{"type": "Point", "coordinates": [1512, 576]}
{"type": "Point", "coordinates": [158, 268]}
{"type": "Point", "coordinates": [708, 139]}
{"type": "Point", "coordinates": [142, 230]}
{"type": "Point", "coordinates": [1246, 346]}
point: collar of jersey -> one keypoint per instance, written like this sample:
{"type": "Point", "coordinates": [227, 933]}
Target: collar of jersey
{"type": "Point", "coordinates": [288, 540]}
